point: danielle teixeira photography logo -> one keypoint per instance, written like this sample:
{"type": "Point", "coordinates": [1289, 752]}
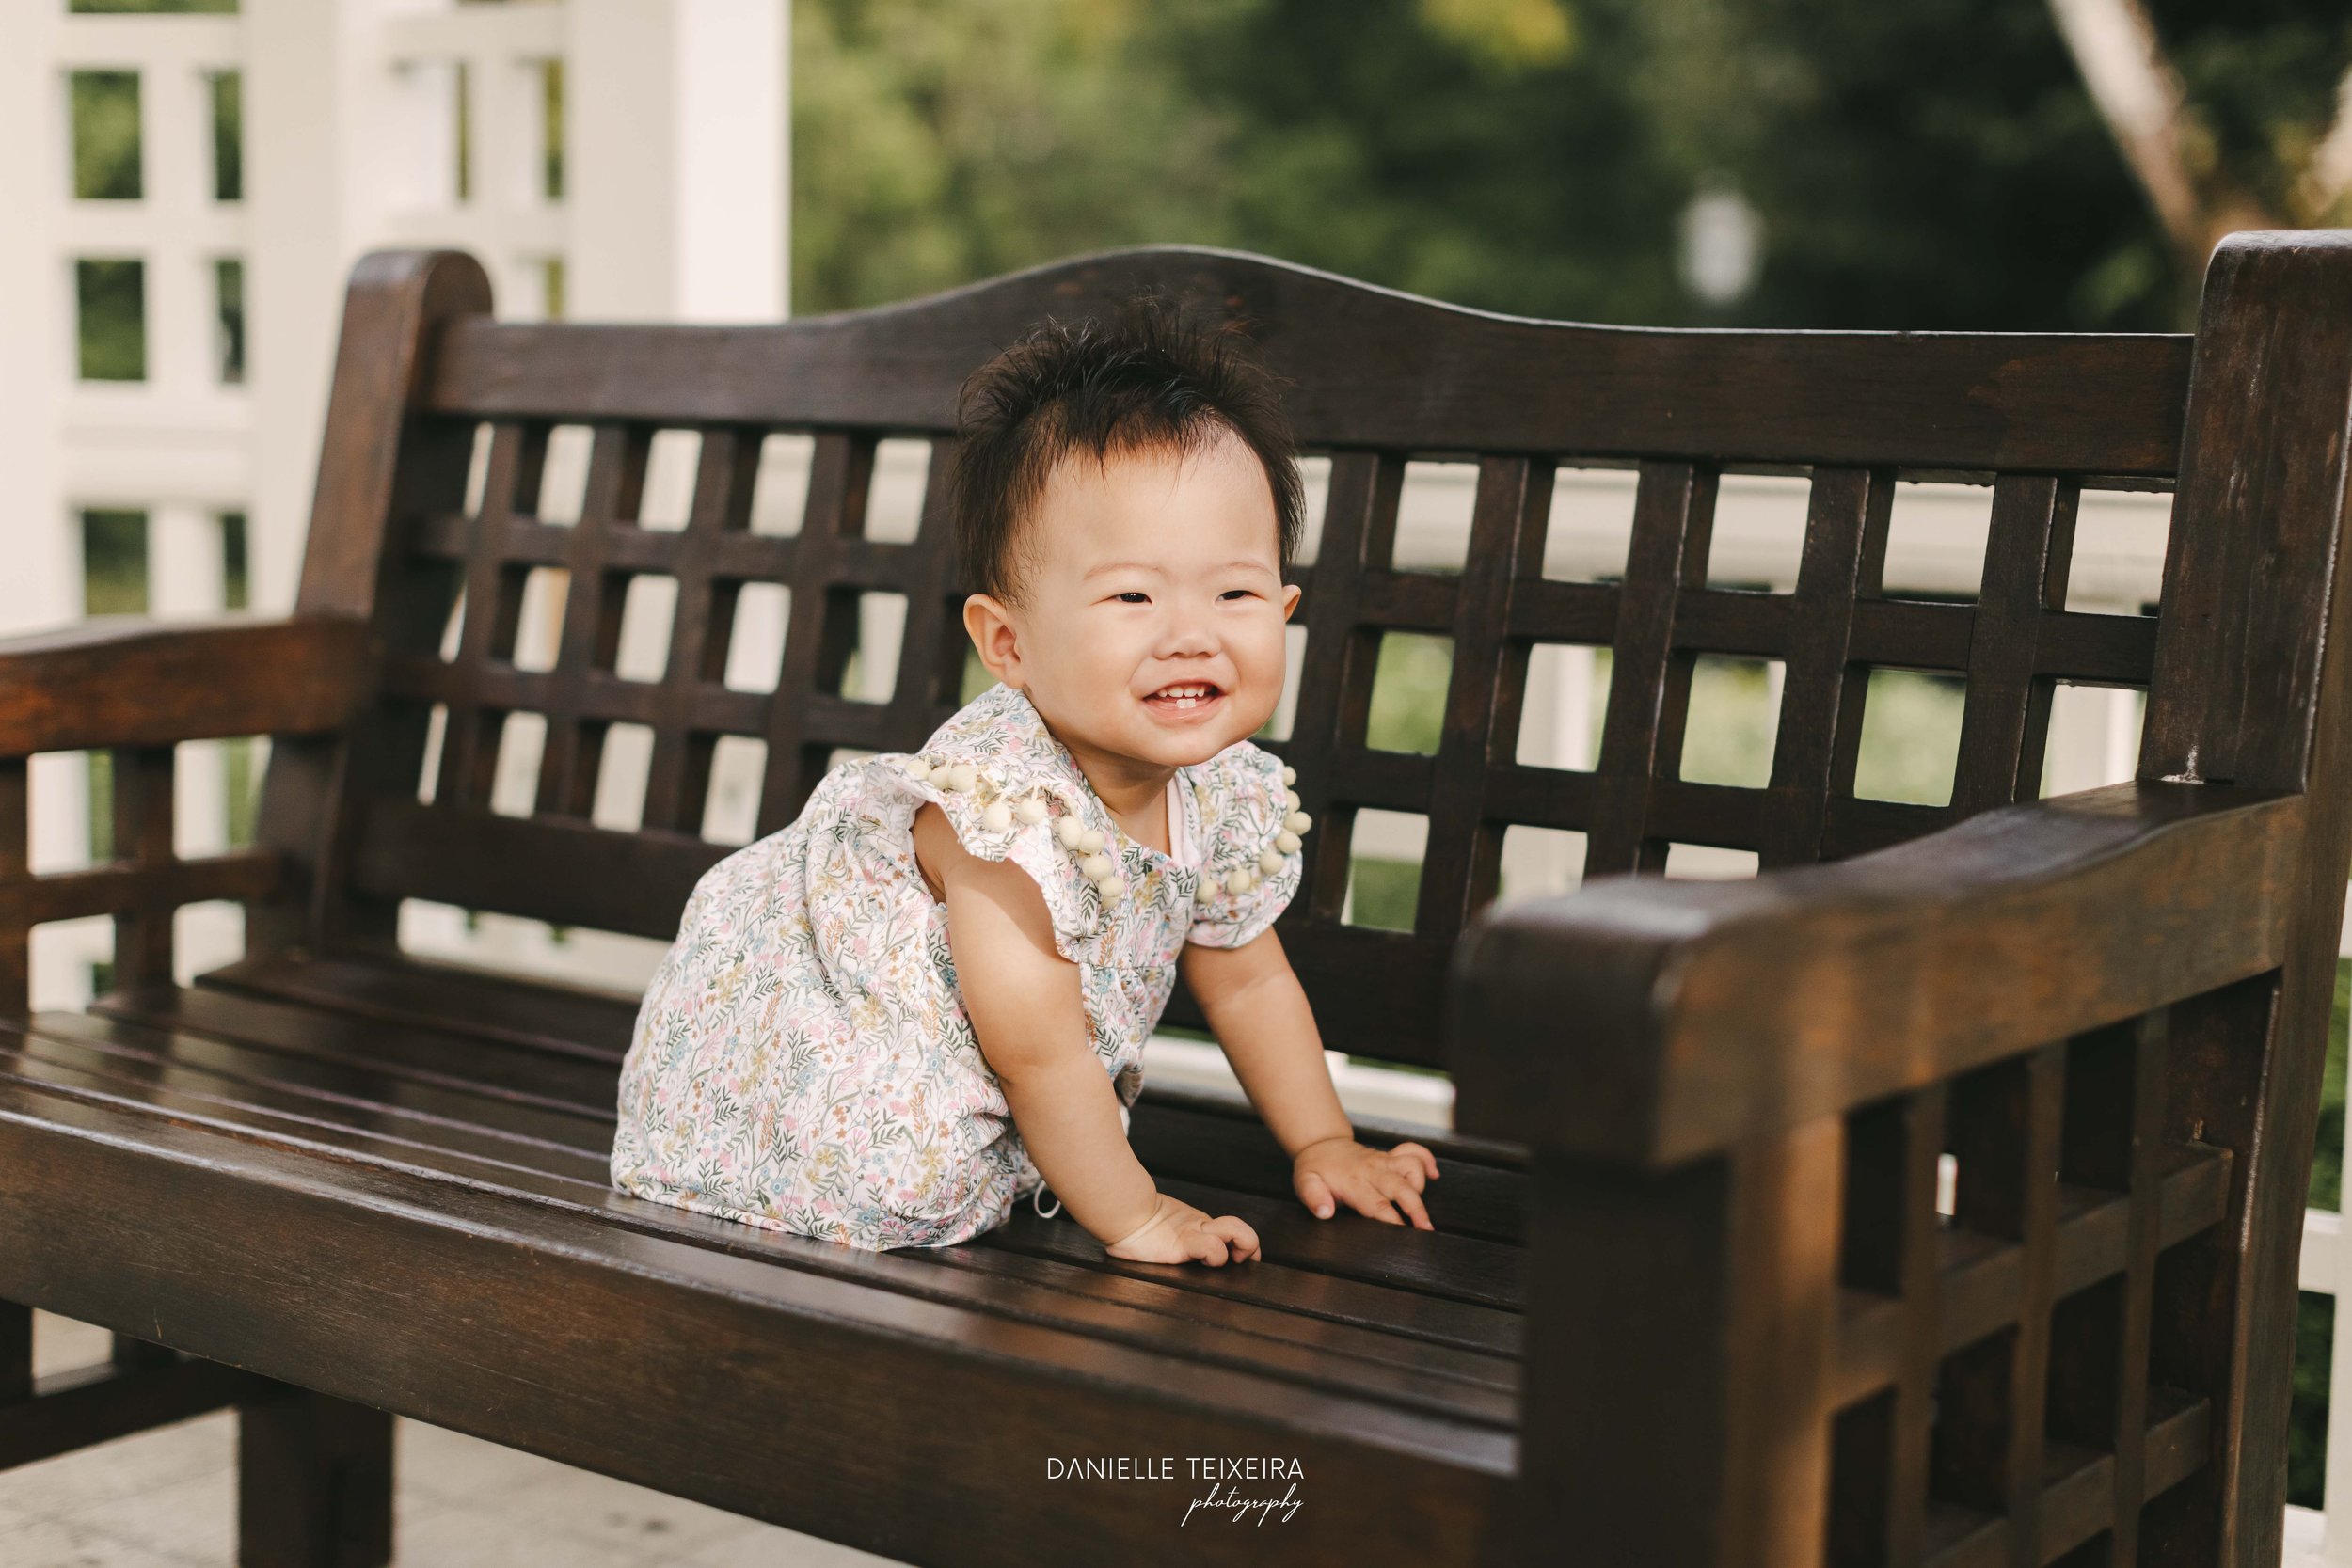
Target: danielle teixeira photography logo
{"type": "Point", "coordinates": [1236, 1489]}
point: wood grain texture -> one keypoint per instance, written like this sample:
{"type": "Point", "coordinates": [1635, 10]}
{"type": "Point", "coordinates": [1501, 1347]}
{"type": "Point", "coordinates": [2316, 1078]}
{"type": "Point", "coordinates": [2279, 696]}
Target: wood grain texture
{"type": "Point", "coordinates": [2250, 683]}
{"type": "Point", "coordinates": [381, 466]}
{"type": "Point", "coordinates": [756, 1373]}
{"type": "Point", "coordinates": [1376, 368]}
{"type": "Point", "coordinates": [136, 688]}
{"type": "Point", "coordinates": [128, 681]}
{"type": "Point", "coordinates": [1710, 1012]}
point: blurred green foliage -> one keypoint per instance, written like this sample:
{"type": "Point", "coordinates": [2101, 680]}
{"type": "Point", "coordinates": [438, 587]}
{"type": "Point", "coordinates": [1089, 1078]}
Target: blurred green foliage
{"type": "Point", "coordinates": [1408, 686]}
{"type": "Point", "coordinates": [1415, 145]}
{"type": "Point", "coordinates": [2307, 1408]}
{"type": "Point", "coordinates": [1383, 892]}
{"type": "Point", "coordinates": [1910, 744]}
{"type": "Point", "coordinates": [1728, 735]}
{"type": "Point", "coordinates": [934, 145]}
{"type": "Point", "coordinates": [2327, 1152]}
{"type": "Point", "coordinates": [1935, 164]}
{"type": "Point", "coordinates": [2263, 74]}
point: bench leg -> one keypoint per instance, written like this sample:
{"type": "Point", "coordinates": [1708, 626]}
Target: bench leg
{"type": "Point", "coordinates": [314, 1485]}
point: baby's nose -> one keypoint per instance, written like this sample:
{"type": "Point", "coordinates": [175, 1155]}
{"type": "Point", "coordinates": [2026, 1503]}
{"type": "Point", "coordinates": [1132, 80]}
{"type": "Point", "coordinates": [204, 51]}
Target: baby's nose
{"type": "Point", "coordinates": [1189, 632]}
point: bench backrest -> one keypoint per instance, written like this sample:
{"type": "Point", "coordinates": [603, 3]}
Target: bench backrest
{"type": "Point", "coordinates": [1379, 378]}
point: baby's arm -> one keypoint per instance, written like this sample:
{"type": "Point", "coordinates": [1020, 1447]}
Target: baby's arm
{"type": "Point", "coordinates": [1023, 1002]}
{"type": "Point", "coordinates": [1259, 1016]}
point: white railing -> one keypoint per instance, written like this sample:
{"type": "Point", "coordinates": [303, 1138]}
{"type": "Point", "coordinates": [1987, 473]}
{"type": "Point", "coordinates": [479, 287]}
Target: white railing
{"type": "Point", "coordinates": [2326, 1269]}
{"type": "Point", "coordinates": [621, 159]}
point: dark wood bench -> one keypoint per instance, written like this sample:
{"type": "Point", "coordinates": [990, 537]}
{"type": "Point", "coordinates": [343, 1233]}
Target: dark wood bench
{"type": "Point", "coordinates": [1689, 1299]}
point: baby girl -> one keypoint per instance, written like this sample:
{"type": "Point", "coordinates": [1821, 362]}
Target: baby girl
{"type": "Point", "coordinates": [928, 998]}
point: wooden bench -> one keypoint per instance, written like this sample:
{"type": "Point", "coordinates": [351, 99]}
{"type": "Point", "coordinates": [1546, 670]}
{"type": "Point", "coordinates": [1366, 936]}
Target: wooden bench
{"type": "Point", "coordinates": [1689, 1299]}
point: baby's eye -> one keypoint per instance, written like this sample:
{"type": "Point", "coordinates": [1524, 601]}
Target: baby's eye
{"type": "Point", "coordinates": [1237, 593]}
{"type": "Point", "coordinates": [1133, 595]}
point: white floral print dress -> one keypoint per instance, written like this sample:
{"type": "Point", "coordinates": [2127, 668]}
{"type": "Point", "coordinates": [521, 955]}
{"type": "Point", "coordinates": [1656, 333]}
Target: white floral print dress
{"type": "Point", "coordinates": [802, 1060]}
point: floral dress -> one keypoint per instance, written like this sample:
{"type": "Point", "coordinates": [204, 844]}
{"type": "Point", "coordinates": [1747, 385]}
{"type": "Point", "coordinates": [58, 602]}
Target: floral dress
{"type": "Point", "coordinates": [802, 1060]}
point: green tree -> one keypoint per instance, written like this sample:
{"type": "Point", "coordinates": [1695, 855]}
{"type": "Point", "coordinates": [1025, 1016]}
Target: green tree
{"type": "Point", "coordinates": [1483, 151]}
{"type": "Point", "coordinates": [935, 144]}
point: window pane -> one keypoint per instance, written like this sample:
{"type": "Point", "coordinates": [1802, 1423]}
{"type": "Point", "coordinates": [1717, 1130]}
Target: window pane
{"type": "Point", "coordinates": [227, 136]}
{"type": "Point", "coordinates": [106, 135]}
{"type": "Point", "coordinates": [551, 84]}
{"type": "Point", "coordinates": [114, 562]}
{"type": "Point", "coordinates": [235, 591]}
{"type": "Point", "coordinates": [465, 133]}
{"type": "Point", "coordinates": [112, 300]}
{"type": "Point", "coordinates": [228, 320]}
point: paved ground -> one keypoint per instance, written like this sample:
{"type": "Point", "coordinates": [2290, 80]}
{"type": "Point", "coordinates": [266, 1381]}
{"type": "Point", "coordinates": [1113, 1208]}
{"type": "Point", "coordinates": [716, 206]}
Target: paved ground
{"type": "Point", "coordinates": [168, 1499]}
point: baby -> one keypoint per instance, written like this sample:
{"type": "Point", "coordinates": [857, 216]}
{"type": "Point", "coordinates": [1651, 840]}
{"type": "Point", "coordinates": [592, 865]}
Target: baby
{"type": "Point", "coordinates": [928, 996]}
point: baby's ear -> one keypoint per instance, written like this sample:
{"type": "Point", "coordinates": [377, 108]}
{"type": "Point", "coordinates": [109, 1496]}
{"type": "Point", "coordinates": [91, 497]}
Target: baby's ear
{"type": "Point", "coordinates": [1290, 598]}
{"type": "Point", "coordinates": [989, 624]}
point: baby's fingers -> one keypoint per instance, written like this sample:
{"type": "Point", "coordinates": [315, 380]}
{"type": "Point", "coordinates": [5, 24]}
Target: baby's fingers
{"type": "Point", "coordinates": [1384, 1206]}
{"type": "Point", "coordinates": [1225, 1239]}
{"type": "Point", "coordinates": [1315, 1193]}
{"type": "Point", "coordinates": [1420, 1156]}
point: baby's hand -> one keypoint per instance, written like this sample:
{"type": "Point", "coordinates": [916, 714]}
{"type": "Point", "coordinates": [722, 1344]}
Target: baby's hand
{"type": "Point", "coordinates": [1371, 1180]}
{"type": "Point", "coordinates": [1179, 1233]}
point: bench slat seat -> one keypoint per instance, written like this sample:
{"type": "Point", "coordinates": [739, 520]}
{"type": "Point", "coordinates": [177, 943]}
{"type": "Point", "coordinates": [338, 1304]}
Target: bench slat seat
{"type": "Point", "coordinates": [215, 1042]}
{"type": "Point", "coordinates": [328, 1086]}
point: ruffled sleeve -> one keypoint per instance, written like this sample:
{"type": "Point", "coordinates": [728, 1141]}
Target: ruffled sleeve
{"type": "Point", "coordinates": [1251, 838]}
{"type": "Point", "coordinates": [1002, 809]}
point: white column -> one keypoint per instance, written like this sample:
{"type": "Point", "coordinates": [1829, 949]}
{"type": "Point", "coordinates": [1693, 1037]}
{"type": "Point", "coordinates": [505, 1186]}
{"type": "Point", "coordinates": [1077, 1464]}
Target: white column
{"type": "Point", "coordinates": [2336, 1487]}
{"type": "Point", "coordinates": [185, 578]}
{"type": "Point", "coordinates": [1572, 707]}
{"type": "Point", "coordinates": [43, 582]}
{"type": "Point", "coordinates": [300, 115]}
{"type": "Point", "coordinates": [2126, 709]}
{"type": "Point", "coordinates": [677, 170]}
{"type": "Point", "coordinates": [175, 140]}
{"type": "Point", "coordinates": [882, 622]}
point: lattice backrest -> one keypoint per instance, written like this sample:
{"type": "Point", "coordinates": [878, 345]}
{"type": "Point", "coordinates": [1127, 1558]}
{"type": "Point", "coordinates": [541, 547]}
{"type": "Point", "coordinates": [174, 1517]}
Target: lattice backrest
{"type": "Point", "coordinates": [1379, 379]}
{"type": "Point", "coordinates": [1948, 1209]}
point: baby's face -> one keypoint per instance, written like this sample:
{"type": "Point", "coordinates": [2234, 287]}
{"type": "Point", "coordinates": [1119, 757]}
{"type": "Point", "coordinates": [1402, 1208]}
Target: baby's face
{"type": "Point", "coordinates": [1150, 626]}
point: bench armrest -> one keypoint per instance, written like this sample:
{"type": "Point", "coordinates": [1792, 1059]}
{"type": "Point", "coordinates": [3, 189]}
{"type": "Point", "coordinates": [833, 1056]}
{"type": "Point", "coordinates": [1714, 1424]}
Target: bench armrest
{"type": "Point", "coordinates": [1648, 1021]}
{"type": "Point", "coordinates": [124, 680]}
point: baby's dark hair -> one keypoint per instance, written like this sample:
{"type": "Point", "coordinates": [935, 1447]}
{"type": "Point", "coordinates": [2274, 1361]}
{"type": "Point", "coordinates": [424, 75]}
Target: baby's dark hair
{"type": "Point", "coordinates": [1149, 377]}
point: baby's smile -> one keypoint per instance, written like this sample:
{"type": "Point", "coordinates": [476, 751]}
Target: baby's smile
{"type": "Point", "coordinates": [1185, 702]}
